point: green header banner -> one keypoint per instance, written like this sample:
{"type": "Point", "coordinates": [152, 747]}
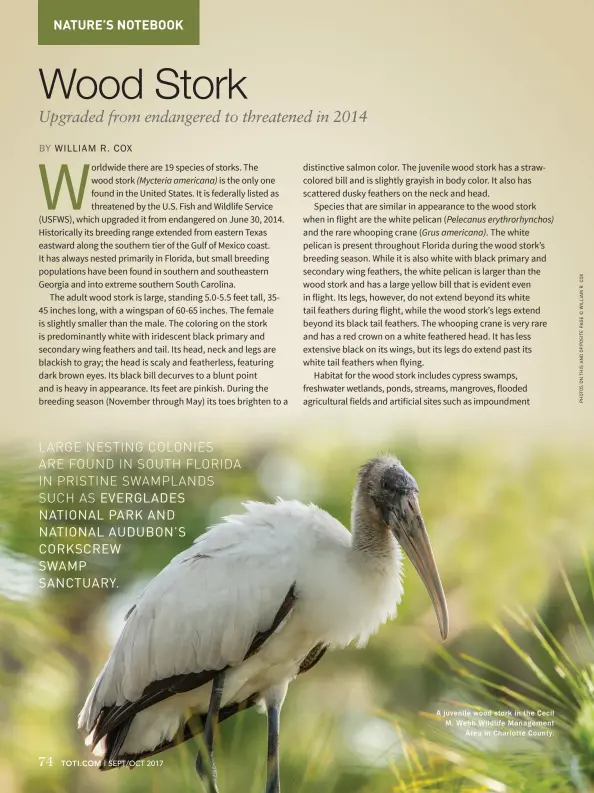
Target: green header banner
{"type": "Point", "coordinates": [136, 22]}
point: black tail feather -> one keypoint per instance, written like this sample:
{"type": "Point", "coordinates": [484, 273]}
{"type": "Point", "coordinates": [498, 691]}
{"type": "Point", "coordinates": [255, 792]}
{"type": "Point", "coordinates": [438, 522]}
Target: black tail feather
{"type": "Point", "coordinates": [194, 726]}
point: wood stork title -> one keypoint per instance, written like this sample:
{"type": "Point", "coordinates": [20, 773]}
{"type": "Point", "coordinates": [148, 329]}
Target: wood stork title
{"type": "Point", "coordinates": [169, 83]}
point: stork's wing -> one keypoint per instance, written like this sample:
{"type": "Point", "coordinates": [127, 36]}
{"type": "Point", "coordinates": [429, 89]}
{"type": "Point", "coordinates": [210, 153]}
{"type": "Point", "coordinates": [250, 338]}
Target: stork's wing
{"type": "Point", "coordinates": [112, 717]}
{"type": "Point", "coordinates": [211, 607]}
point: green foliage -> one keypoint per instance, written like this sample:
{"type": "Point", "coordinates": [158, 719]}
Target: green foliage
{"type": "Point", "coordinates": [553, 683]}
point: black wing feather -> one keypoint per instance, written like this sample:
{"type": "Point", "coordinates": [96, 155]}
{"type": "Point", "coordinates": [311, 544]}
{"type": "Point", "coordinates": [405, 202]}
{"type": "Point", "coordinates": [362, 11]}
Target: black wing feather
{"type": "Point", "coordinates": [155, 692]}
{"type": "Point", "coordinates": [194, 726]}
{"type": "Point", "coordinates": [312, 658]}
{"type": "Point", "coordinates": [283, 611]}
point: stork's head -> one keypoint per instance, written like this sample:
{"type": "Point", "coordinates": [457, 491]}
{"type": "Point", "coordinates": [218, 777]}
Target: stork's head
{"type": "Point", "coordinates": [391, 494]}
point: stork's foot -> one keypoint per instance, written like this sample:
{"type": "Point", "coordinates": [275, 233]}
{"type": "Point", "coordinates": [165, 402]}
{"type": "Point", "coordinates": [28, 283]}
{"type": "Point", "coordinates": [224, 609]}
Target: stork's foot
{"type": "Point", "coordinates": [207, 771]}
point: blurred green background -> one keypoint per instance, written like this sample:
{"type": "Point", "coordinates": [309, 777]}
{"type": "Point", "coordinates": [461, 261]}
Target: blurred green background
{"type": "Point", "coordinates": [512, 531]}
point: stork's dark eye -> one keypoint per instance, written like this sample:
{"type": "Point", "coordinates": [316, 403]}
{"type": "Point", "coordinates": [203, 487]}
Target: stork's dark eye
{"type": "Point", "coordinates": [390, 487]}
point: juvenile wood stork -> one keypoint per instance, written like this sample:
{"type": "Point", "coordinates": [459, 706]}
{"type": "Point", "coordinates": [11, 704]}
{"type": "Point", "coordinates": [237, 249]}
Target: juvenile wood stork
{"type": "Point", "coordinates": [254, 602]}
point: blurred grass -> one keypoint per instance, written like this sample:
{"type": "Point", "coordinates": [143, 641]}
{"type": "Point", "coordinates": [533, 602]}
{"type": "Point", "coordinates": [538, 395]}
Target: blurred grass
{"type": "Point", "coordinates": [500, 522]}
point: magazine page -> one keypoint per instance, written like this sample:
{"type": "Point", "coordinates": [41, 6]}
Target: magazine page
{"type": "Point", "coordinates": [295, 456]}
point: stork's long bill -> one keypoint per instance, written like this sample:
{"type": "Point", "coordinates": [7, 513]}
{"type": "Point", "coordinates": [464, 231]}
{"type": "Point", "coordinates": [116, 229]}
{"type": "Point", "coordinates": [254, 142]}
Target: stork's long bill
{"type": "Point", "coordinates": [408, 527]}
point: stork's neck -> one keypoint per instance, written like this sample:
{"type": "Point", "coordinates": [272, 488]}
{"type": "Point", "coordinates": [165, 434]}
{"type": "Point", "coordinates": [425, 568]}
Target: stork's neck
{"type": "Point", "coordinates": [372, 540]}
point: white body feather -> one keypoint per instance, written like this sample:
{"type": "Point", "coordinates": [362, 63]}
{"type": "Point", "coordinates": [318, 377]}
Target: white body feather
{"type": "Point", "coordinates": [203, 610]}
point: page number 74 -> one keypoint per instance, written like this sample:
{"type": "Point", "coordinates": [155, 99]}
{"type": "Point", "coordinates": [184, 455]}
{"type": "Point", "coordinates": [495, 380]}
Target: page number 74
{"type": "Point", "coordinates": [46, 761]}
